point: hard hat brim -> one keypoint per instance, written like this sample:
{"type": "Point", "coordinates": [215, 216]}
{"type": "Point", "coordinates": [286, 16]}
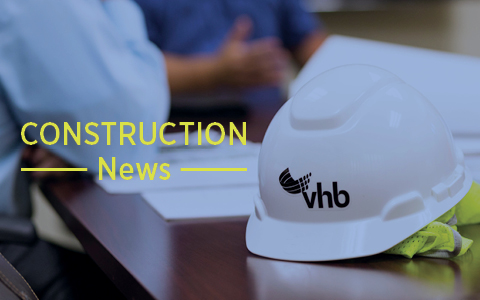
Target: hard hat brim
{"type": "Point", "coordinates": [304, 241]}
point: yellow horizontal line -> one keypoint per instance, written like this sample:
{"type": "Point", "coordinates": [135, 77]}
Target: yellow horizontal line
{"type": "Point", "coordinates": [54, 169]}
{"type": "Point", "coordinates": [214, 169]}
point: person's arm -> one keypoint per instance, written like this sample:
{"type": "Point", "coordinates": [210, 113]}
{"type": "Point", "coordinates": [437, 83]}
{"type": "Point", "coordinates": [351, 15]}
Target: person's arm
{"type": "Point", "coordinates": [84, 61]}
{"type": "Point", "coordinates": [187, 73]}
{"type": "Point", "coordinates": [238, 63]}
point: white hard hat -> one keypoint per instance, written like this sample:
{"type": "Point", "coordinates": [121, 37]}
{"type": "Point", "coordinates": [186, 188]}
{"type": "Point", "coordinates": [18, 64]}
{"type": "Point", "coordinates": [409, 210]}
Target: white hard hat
{"type": "Point", "coordinates": [353, 164]}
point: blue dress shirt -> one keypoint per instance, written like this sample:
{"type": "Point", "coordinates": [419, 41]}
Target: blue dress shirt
{"type": "Point", "coordinates": [75, 61]}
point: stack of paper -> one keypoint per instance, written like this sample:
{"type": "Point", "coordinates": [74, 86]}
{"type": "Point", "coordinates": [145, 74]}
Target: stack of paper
{"type": "Point", "coordinates": [449, 81]}
{"type": "Point", "coordinates": [198, 194]}
{"type": "Point", "coordinates": [194, 203]}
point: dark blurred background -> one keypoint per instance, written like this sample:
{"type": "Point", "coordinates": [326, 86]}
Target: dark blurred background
{"type": "Point", "coordinates": [436, 24]}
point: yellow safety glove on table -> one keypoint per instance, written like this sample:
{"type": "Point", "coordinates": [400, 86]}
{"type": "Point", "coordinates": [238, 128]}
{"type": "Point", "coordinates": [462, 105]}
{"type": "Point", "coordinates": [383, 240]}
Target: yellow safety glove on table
{"type": "Point", "coordinates": [440, 238]}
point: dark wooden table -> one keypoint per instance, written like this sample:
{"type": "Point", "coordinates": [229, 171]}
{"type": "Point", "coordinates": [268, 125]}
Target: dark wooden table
{"type": "Point", "coordinates": [149, 258]}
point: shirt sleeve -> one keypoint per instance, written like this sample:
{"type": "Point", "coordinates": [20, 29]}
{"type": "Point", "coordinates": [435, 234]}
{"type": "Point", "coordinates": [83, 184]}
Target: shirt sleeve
{"type": "Point", "coordinates": [84, 61]}
{"type": "Point", "coordinates": [296, 23]}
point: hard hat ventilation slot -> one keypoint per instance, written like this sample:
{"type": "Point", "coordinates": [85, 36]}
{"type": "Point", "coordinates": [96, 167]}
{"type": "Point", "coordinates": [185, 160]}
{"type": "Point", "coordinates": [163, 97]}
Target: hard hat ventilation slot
{"type": "Point", "coordinates": [404, 205]}
{"type": "Point", "coordinates": [452, 185]}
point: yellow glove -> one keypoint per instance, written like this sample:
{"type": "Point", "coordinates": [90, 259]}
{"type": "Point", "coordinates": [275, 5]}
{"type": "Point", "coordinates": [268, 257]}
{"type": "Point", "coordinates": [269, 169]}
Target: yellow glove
{"type": "Point", "coordinates": [438, 239]}
{"type": "Point", "coordinates": [468, 209]}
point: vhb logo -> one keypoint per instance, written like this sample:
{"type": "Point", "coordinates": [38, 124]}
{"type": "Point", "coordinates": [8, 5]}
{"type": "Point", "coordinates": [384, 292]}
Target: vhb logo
{"type": "Point", "coordinates": [301, 186]}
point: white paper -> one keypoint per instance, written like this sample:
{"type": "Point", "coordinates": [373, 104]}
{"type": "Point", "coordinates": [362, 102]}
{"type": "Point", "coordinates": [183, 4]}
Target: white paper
{"type": "Point", "coordinates": [203, 202]}
{"type": "Point", "coordinates": [469, 146]}
{"type": "Point", "coordinates": [449, 81]}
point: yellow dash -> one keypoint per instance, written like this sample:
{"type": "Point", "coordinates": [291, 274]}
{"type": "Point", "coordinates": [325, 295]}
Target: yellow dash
{"type": "Point", "coordinates": [54, 169]}
{"type": "Point", "coordinates": [213, 169]}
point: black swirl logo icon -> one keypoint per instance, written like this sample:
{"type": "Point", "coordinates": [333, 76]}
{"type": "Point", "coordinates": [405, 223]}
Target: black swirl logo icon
{"type": "Point", "coordinates": [294, 186]}
{"type": "Point", "coordinates": [323, 198]}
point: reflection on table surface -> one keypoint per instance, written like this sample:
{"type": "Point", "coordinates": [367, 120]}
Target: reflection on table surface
{"type": "Point", "coordinates": [373, 277]}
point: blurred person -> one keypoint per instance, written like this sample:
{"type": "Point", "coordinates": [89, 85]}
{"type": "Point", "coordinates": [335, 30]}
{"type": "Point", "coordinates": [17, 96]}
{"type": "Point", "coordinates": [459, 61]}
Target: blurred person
{"type": "Point", "coordinates": [241, 47]}
{"type": "Point", "coordinates": [69, 61]}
